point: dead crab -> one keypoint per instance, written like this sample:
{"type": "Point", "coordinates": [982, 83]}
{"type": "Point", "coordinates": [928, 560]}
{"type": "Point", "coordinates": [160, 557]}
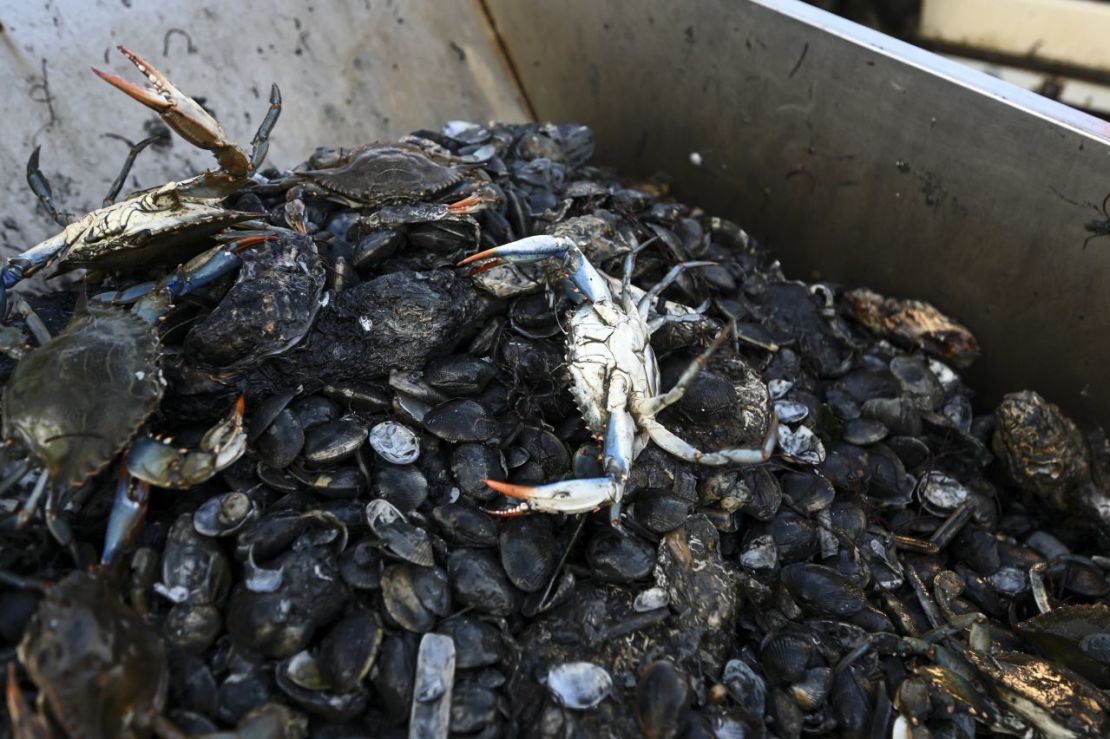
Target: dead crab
{"type": "Point", "coordinates": [110, 362]}
{"type": "Point", "coordinates": [614, 377]}
{"type": "Point", "coordinates": [100, 669]}
{"type": "Point", "coordinates": [160, 225]}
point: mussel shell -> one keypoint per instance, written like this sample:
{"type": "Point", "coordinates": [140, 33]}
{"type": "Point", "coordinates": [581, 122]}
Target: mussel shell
{"type": "Point", "coordinates": [415, 597]}
{"type": "Point", "coordinates": [619, 557]}
{"type": "Point", "coordinates": [822, 589]}
{"type": "Point", "coordinates": [224, 515]}
{"type": "Point", "coordinates": [528, 551]}
{"type": "Point", "coordinates": [786, 655]}
{"type": "Point", "coordinates": [579, 685]}
{"type": "Point", "coordinates": [459, 374]}
{"type": "Point", "coordinates": [332, 442]}
{"type": "Point", "coordinates": [659, 510]}
{"type": "Point", "coordinates": [478, 643]}
{"type": "Point", "coordinates": [393, 675]}
{"type": "Point", "coordinates": [478, 581]}
{"type": "Point", "coordinates": [347, 652]}
{"type": "Point", "coordinates": [466, 526]}
{"type": "Point", "coordinates": [339, 481]}
{"type": "Point", "coordinates": [809, 492]}
{"type": "Point", "coordinates": [810, 692]}
{"type": "Point", "coordinates": [325, 704]}
{"type": "Point", "coordinates": [1073, 635]}
{"type": "Point", "coordinates": [395, 442]}
{"type": "Point", "coordinates": [399, 537]}
{"type": "Point", "coordinates": [282, 441]}
{"type": "Point", "coordinates": [765, 493]}
{"type": "Point", "coordinates": [402, 485]}
{"type": "Point", "coordinates": [360, 566]}
{"type": "Point", "coordinates": [662, 700]}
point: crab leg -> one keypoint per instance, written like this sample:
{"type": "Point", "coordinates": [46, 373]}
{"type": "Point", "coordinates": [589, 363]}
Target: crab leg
{"type": "Point", "coordinates": [583, 495]}
{"type": "Point", "coordinates": [260, 144]}
{"type": "Point", "coordinates": [128, 512]}
{"type": "Point", "coordinates": [28, 263]}
{"type": "Point", "coordinates": [181, 113]}
{"type": "Point", "coordinates": [670, 442]}
{"type": "Point", "coordinates": [152, 300]}
{"type": "Point", "coordinates": [39, 185]}
{"type": "Point", "coordinates": [668, 279]}
{"type": "Point", "coordinates": [125, 170]}
{"type": "Point", "coordinates": [651, 406]}
{"type": "Point", "coordinates": [583, 282]}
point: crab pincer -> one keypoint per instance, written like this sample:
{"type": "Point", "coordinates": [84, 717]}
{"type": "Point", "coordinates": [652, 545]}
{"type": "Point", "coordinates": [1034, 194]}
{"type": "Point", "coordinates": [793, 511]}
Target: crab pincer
{"type": "Point", "coordinates": [192, 122]}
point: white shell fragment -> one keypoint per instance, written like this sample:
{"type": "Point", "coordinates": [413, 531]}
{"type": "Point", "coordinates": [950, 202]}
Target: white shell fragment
{"type": "Point", "coordinates": [650, 600]}
{"type": "Point", "coordinates": [791, 411]}
{"type": "Point", "coordinates": [431, 691]}
{"type": "Point", "coordinates": [395, 442]}
{"type": "Point", "coordinates": [941, 493]}
{"type": "Point", "coordinates": [579, 685]}
{"type": "Point", "coordinates": [801, 445]}
{"type": "Point", "coordinates": [779, 388]}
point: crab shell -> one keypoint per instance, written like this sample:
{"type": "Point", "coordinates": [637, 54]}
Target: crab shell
{"type": "Point", "coordinates": [100, 667]}
{"type": "Point", "coordinates": [601, 338]}
{"type": "Point", "coordinates": [379, 174]}
{"type": "Point", "coordinates": [80, 398]}
{"type": "Point", "coordinates": [159, 225]}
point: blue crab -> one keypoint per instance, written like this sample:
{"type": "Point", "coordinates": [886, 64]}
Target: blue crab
{"type": "Point", "coordinates": [614, 376]}
{"type": "Point", "coordinates": [109, 363]}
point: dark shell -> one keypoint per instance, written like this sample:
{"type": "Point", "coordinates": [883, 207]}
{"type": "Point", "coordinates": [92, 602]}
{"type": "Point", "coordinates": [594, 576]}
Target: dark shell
{"type": "Point", "coordinates": [415, 597]}
{"type": "Point", "coordinates": [662, 700]}
{"type": "Point", "coordinates": [823, 590]}
{"type": "Point", "coordinates": [378, 174]}
{"type": "Point", "coordinates": [268, 310]}
{"type": "Point", "coordinates": [528, 551]}
{"type": "Point", "coordinates": [109, 360]}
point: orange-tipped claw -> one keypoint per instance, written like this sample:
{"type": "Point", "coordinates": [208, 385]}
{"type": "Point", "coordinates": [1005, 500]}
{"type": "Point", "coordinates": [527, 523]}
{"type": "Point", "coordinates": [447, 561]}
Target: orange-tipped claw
{"type": "Point", "coordinates": [487, 254]}
{"type": "Point", "coordinates": [144, 95]}
{"type": "Point", "coordinates": [524, 492]}
{"type": "Point", "coordinates": [180, 112]}
{"type": "Point", "coordinates": [240, 405]}
{"type": "Point", "coordinates": [463, 206]}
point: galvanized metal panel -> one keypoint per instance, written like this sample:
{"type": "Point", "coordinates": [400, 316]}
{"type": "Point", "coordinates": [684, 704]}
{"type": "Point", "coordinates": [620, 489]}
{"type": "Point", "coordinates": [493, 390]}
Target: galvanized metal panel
{"type": "Point", "coordinates": [858, 158]}
{"type": "Point", "coordinates": [351, 72]}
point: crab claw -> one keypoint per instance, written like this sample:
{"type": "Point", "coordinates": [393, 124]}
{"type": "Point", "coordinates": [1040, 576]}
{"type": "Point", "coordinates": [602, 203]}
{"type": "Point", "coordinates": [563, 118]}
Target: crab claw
{"type": "Point", "coordinates": [478, 200]}
{"type": "Point", "coordinates": [166, 466]}
{"type": "Point", "coordinates": [566, 496]}
{"type": "Point", "coordinates": [181, 113]}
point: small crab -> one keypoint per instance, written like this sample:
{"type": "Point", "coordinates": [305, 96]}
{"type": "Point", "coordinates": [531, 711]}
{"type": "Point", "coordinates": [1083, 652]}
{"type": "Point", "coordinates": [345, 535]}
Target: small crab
{"type": "Point", "coordinates": [161, 225]}
{"type": "Point", "coordinates": [100, 669]}
{"type": "Point", "coordinates": [379, 174]}
{"type": "Point", "coordinates": [372, 176]}
{"type": "Point", "coordinates": [84, 396]}
{"type": "Point", "coordinates": [614, 377]}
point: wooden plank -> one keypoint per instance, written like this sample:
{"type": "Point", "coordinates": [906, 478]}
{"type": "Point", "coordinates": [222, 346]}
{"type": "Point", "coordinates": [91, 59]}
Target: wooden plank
{"type": "Point", "coordinates": [1071, 32]}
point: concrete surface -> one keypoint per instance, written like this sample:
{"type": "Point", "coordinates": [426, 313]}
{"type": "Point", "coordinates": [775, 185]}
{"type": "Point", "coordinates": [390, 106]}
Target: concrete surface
{"type": "Point", "coordinates": [350, 71]}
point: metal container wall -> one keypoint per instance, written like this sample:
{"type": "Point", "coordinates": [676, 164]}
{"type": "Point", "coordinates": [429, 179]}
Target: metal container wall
{"type": "Point", "coordinates": [858, 158]}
